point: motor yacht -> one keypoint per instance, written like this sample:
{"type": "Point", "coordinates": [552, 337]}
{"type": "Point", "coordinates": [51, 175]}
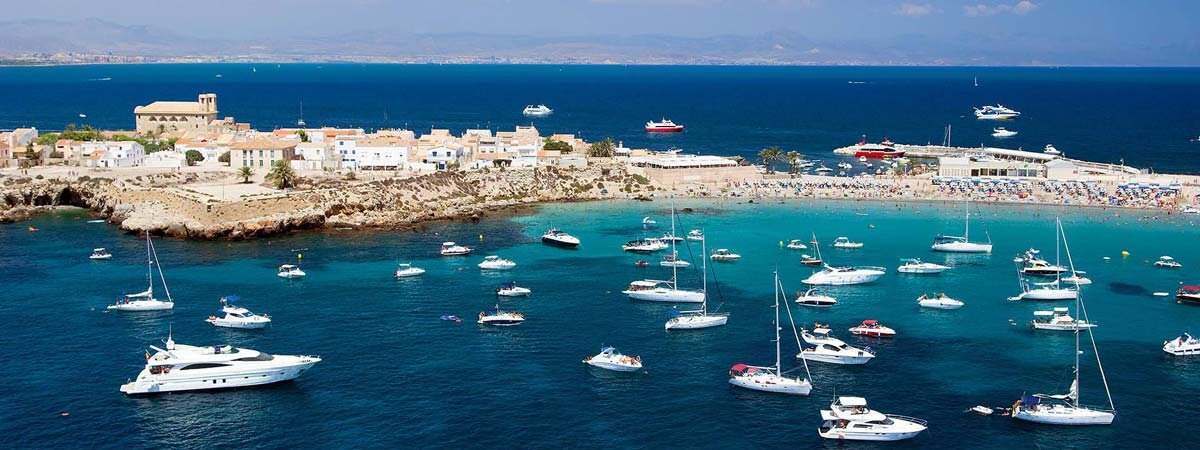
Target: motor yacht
{"type": "Point", "coordinates": [405, 270]}
{"type": "Point", "coordinates": [915, 265]}
{"type": "Point", "coordinates": [1184, 345]}
{"type": "Point", "coordinates": [661, 291]}
{"type": "Point", "coordinates": [796, 244]}
{"type": "Point", "coordinates": [663, 126]}
{"type": "Point", "coordinates": [452, 249]}
{"type": "Point", "coordinates": [938, 301]}
{"type": "Point", "coordinates": [233, 316]}
{"type": "Point", "coordinates": [844, 242]}
{"type": "Point", "coordinates": [559, 238]}
{"type": "Point", "coordinates": [1041, 268]}
{"type": "Point", "coordinates": [511, 289]}
{"type": "Point", "coordinates": [644, 245]}
{"type": "Point", "coordinates": [100, 254]}
{"type": "Point", "coordinates": [828, 349]}
{"type": "Point", "coordinates": [181, 367]}
{"type": "Point", "coordinates": [724, 255]}
{"type": "Point", "coordinates": [670, 238]}
{"type": "Point", "coordinates": [872, 328]}
{"type": "Point", "coordinates": [815, 298]}
{"type": "Point", "coordinates": [1188, 294]}
{"type": "Point", "coordinates": [845, 275]}
{"type": "Point", "coordinates": [771, 378]}
{"type": "Point", "coordinates": [1002, 132]}
{"type": "Point", "coordinates": [998, 112]}
{"type": "Point", "coordinates": [849, 418]}
{"type": "Point", "coordinates": [537, 111]}
{"type": "Point", "coordinates": [672, 260]}
{"type": "Point", "coordinates": [695, 235]}
{"type": "Point", "coordinates": [290, 271]}
{"type": "Point", "coordinates": [498, 318]}
{"type": "Point", "coordinates": [493, 262]}
{"type": "Point", "coordinates": [1058, 320]}
{"type": "Point", "coordinates": [1167, 262]}
{"type": "Point", "coordinates": [1050, 150]}
{"type": "Point", "coordinates": [610, 359]}
{"type": "Point", "coordinates": [145, 301]}
{"type": "Point", "coordinates": [961, 244]}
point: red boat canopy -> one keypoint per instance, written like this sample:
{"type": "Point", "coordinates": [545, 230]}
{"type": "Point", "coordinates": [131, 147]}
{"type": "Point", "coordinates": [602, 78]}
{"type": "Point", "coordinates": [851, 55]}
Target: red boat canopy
{"type": "Point", "coordinates": [1190, 288]}
{"type": "Point", "coordinates": [741, 368]}
{"type": "Point", "coordinates": [870, 322]}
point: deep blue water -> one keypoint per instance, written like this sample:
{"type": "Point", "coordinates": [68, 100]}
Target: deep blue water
{"type": "Point", "coordinates": [1145, 115]}
{"type": "Point", "coordinates": [395, 376]}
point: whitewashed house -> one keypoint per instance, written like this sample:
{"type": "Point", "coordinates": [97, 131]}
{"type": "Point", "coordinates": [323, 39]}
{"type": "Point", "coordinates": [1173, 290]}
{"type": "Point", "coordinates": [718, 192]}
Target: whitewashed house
{"type": "Point", "coordinates": [112, 153]}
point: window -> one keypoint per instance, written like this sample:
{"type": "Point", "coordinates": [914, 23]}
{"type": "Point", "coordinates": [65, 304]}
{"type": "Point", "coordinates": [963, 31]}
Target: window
{"type": "Point", "coordinates": [203, 366]}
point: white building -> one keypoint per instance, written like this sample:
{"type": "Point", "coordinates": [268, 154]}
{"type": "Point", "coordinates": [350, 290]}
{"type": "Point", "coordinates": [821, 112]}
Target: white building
{"type": "Point", "coordinates": [315, 156]}
{"type": "Point", "coordinates": [112, 153]}
{"type": "Point", "coordinates": [442, 157]}
{"type": "Point", "coordinates": [165, 159]}
{"type": "Point", "coordinates": [383, 153]}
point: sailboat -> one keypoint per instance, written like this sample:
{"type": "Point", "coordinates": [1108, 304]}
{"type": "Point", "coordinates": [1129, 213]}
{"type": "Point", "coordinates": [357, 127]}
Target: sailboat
{"type": "Point", "coordinates": [145, 301]}
{"type": "Point", "coordinates": [771, 379]}
{"type": "Point", "coordinates": [809, 260]}
{"type": "Point", "coordinates": [300, 123]}
{"type": "Point", "coordinates": [961, 244]}
{"type": "Point", "coordinates": [1064, 409]}
{"type": "Point", "coordinates": [1052, 290]}
{"type": "Point", "coordinates": [700, 318]}
{"type": "Point", "coordinates": [663, 290]}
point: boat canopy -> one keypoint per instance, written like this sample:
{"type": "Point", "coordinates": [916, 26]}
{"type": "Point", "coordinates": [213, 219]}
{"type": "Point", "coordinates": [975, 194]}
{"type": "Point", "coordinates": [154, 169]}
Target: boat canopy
{"type": "Point", "coordinates": [852, 401]}
{"type": "Point", "coordinates": [144, 294]}
{"type": "Point", "coordinates": [1190, 289]}
{"type": "Point", "coordinates": [1043, 313]}
{"type": "Point", "coordinates": [870, 322]}
{"type": "Point", "coordinates": [98, 250]}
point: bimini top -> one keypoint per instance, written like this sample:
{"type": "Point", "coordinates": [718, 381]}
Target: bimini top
{"type": "Point", "coordinates": [852, 401]}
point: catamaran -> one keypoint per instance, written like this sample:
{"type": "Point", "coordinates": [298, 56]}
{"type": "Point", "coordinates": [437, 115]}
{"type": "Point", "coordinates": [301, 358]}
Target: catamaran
{"type": "Point", "coordinates": [1064, 409]}
{"type": "Point", "coordinates": [961, 244]}
{"type": "Point", "coordinates": [772, 378]}
{"type": "Point", "coordinates": [661, 290]}
{"type": "Point", "coordinates": [145, 301]}
{"type": "Point", "coordinates": [700, 318]}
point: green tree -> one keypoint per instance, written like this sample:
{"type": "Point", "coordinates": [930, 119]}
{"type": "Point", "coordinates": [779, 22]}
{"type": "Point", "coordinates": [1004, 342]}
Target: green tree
{"type": "Point", "coordinates": [602, 149]}
{"type": "Point", "coordinates": [793, 159]}
{"type": "Point", "coordinates": [560, 146]}
{"type": "Point", "coordinates": [193, 157]}
{"type": "Point", "coordinates": [769, 155]}
{"type": "Point", "coordinates": [303, 136]}
{"type": "Point", "coordinates": [245, 172]}
{"type": "Point", "coordinates": [223, 158]}
{"type": "Point", "coordinates": [30, 153]}
{"type": "Point", "coordinates": [282, 175]}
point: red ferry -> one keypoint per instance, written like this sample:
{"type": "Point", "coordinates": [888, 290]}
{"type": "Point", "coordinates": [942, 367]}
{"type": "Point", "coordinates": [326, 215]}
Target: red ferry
{"type": "Point", "coordinates": [663, 126]}
{"type": "Point", "coordinates": [885, 149]}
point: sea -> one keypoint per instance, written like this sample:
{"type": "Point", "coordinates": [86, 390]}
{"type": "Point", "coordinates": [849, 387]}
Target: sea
{"type": "Point", "coordinates": [394, 375]}
{"type": "Point", "coordinates": [1145, 117]}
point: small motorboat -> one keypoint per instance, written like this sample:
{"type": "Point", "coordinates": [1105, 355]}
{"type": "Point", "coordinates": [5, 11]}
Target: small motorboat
{"type": "Point", "coordinates": [845, 275]}
{"type": "Point", "coordinates": [672, 260]}
{"type": "Point", "coordinates": [1058, 320]}
{"type": "Point", "coordinates": [844, 242]}
{"type": "Point", "coordinates": [1050, 150]}
{"type": "Point", "coordinates": [810, 260]}
{"type": "Point", "coordinates": [451, 318]}
{"type": "Point", "coordinates": [724, 255]}
{"type": "Point", "coordinates": [641, 263]}
{"type": "Point", "coordinates": [494, 262]}
{"type": "Point", "coordinates": [796, 244]}
{"type": "Point", "coordinates": [1165, 262]}
{"type": "Point", "coordinates": [1077, 278]}
{"type": "Point", "coordinates": [872, 328]}
{"type": "Point", "coordinates": [511, 289]}
{"type": "Point", "coordinates": [100, 254]}
{"type": "Point", "coordinates": [1188, 294]}
{"type": "Point", "coordinates": [405, 270]}
{"type": "Point", "coordinates": [914, 265]}
{"type": "Point", "coordinates": [668, 237]}
{"type": "Point", "coordinates": [559, 238]}
{"type": "Point", "coordinates": [1184, 345]}
{"type": "Point", "coordinates": [451, 249]}
{"type": "Point", "coordinates": [645, 245]}
{"type": "Point", "coordinates": [610, 359]}
{"type": "Point", "coordinates": [695, 235]}
{"type": "Point", "coordinates": [32, 229]}
{"type": "Point", "coordinates": [290, 271]}
{"type": "Point", "coordinates": [496, 317]}
{"type": "Point", "coordinates": [938, 301]}
{"type": "Point", "coordinates": [815, 298]}
{"type": "Point", "coordinates": [234, 316]}
{"type": "Point", "coordinates": [1001, 132]}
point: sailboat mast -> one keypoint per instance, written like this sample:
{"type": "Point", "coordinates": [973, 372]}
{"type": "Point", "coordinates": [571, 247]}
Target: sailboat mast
{"type": "Point", "coordinates": [967, 221]}
{"type": "Point", "coordinates": [161, 276]}
{"type": "Point", "coordinates": [704, 278]}
{"type": "Point", "coordinates": [778, 366]}
{"type": "Point", "coordinates": [1082, 310]}
{"type": "Point", "coordinates": [149, 267]}
{"type": "Point", "coordinates": [674, 267]}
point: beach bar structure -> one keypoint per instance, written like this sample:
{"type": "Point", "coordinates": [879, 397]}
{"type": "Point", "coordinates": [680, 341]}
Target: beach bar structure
{"type": "Point", "coordinates": [679, 168]}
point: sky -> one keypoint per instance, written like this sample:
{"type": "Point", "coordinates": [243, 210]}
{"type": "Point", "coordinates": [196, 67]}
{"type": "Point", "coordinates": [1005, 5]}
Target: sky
{"type": "Point", "coordinates": [1033, 23]}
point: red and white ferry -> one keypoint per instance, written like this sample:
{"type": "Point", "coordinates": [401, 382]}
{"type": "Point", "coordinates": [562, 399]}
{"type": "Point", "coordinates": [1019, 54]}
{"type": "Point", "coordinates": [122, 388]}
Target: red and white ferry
{"type": "Point", "coordinates": [663, 126]}
{"type": "Point", "coordinates": [885, 149]}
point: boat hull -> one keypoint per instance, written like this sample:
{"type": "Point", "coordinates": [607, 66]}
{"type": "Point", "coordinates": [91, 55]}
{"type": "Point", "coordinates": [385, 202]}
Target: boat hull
{"type": "Point", "coordinates": [879, 154]}
{"type": "Point", "coordinates": [829, 431]}
{"type": "Point", "coordinates": [777, 385]}
{"type": "Point", "coordinates": [675, 129]}
{"type": "Point", "coordinates": [696, 322]}
{"type": "Point", "coordinates": [1066, 416]}
{"type": "Point", "coordinates": [615, 367]}
{"type": "Point", "coordinates": [239, 325]}
{"type": "Point", "coordinates": [1049, 294]}
{"type": "Point", "coordinates": [153, 305]}
{"type": "Point", "coordinates": [666, 296]}
{"type": "Point", "coordinates": [835, 359]}
{"type": "Point", "coordinates": [206, 379]}
{"type": "Point", "coordinates": [921, 270]}
{"type": "Point", "coordinates": [962, 247]}
{"type": "Point", "coordinates": [409, 273]}
{"type": "Point", "coordinates": [564, 243]}
{"type": "Point", "coordinates": [843, 279]}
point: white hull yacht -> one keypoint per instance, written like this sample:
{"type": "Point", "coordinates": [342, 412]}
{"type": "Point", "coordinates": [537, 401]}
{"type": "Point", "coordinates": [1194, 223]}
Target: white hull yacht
{"type": "Point", "coordinates": [290, 271]}
{"type": "Point", "coordinates": [829, 349]}
{"type": "Point", "coordinates": [938, 301]}
{"type": "Point", "coordinates": [559, 238]}
{"type": "Point", "coordinates": [838, 276]}
{"type": "Point", "coordinates": [848, 418]}
{"type": "Point", "coordinates": [610, 359]}
{"type": "Point", "coordinates": [998, 112]}
{"type": "Point", "coordinates": [771, 378]}
{"type": "Point", "coordinates": [145, 301]}
{"type": "Point", "coordinates": [494, 262]}
{"type": "Point", "coordinates": [186, 368]}
{"type": "Point", "coordinates": [498, 318]}
{"type": "Point", "coordinates": [1058, 320]}
{"type": "Point", "coordinates": [815, 298]}
{"type": "Point", "coordinates": [100, 254]}
{"type": "Point", "coordinates": [537, 111]}
{"type": "Point", "coordinates": [1002, 132]}
{"type": "Point", "coordinates": [406, 270]}
{"type": "Point", "coordinates": [1184, 345]}
{"type": "Point", "coordinates": [452, 249]}
{"type": "Point", "coordinates": [234, 316]}
{"type": "Point", "coordinates": [915, 265]}
{"type": "Point", "coordinates": [844, 242]}
{"type": "Point", "coordinates": [645, 245]}
{"type": "Point", "coordinates": [512, 290]}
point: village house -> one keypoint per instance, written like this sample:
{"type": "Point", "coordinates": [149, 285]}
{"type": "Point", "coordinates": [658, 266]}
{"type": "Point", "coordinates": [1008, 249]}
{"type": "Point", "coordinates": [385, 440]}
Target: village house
{"type": "Point", "coordinates": [112, 154]}
{"type": "Point", "coordinates": [385, 152]}
{"type": "Point", "coordinates": [261, 153]}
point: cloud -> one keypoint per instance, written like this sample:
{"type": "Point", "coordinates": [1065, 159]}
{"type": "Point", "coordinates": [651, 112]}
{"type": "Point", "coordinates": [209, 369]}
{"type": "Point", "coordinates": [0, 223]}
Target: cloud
{"type": "Point", "coordinates": [981, 10]}
{"type": "Point", "coordinates": [914, 10]}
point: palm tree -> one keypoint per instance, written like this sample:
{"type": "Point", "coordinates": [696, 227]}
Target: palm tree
{"type": "Point", "coordinates": [282, 174]}
{"type": "Point", "coordinates": [769, 155]}
{"type": "Point", "coordinates": [245, 172]}
{"type": "Point", "coordinates": [792, 158]}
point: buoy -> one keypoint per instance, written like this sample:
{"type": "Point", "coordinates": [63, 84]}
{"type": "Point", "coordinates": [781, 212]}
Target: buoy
{"type": "Point", "coordinates": [481, 238]}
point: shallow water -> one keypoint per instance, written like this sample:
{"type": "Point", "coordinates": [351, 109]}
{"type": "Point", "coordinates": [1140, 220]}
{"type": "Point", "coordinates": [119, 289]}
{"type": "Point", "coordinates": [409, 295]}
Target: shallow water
{"type": "Point", "coordinates": [394, 375]}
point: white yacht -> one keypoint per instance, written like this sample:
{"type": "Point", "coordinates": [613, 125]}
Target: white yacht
{"type": "Point", "coordinates": [290, 271]}
{"type": "Point", "coordinates": [664, 291]}
{"type": "Point", "coordinates": [405, 270]}
{"type": "Point", "coordinates": [846, 275]}
{"type": "Point", "coordinates": [815, 298]}
{"type": "Point", "coordinates": [699, 318]}
{"type": "Point", "coordinates": [610, 359]}
{"type": "Point", "coordinates": [1058, 320]}
{"type": "Point", "coordinates": [145, 301]}
{"type": "Point", "coordinates": [187, 368]}
{"type": "Point", "coordinates": [872, 328]}
{"type": "Point", "coordinates": [1053, 290]}
{"type": "Point", "coordinates": [537, 111]}
{"type": "Point", "coordinates": [234, 316]}
{"type": "Point", "coordinates": [831, 350]}
{"type": "Point", "coordinates": [1167, 262]}
{"type": "Point", "coordinates": [644, 245]}
{"type": "Point", "coordinates": [848, 418]}
{"type": "Point", "coordinates": [961, 244]}
{"type": "Point", "coordinates": [100, 254]}
{"type": "Point", "coordinates": [938, 301]}
{"type": "Point", "coordinates": [695, 235]}
{"type": "Point", "coordinates": [724, 255]}
{"type": "Point", "coordinates": [1077, 279]}
{"type": "Point", "coordinates": [796, 244]}
{"type": "Point", "coordinates": [844, 242]}
{"type": "Point", "coordinates": [511, 289]}
{"type": "Point", "coordinates": [672, 260]}
{"type": "Point", "coordinates": [1184, 345]}
{"type": "Point", "coordinates": [915, 265]}
{"type": "Point", "coordinates": [1002, 132]}
{"type": "Point", "coordinates": [496, 317]}
{"type": "Point", "coordinates": [559, 238]}
{"type": "Point", "coordinates": [1065, 409]}
{"type": "Point", "coordinates": [670, 237]}
{"type": "Point", "coordinates": [1050, 150]}
{"type": "Point", "coordinates": [452, 249]}
{"type": "Point", "coordinates": [998, 112]}
{"type": "Point", "coordinates": [771, 378]}
{"type": "Point", "coordinates": [493, 262]}
{"type": "Point", "coordinates": [1045, 291]}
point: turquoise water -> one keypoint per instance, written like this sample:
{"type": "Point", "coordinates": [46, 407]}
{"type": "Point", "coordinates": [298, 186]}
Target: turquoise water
{"type": "Point", "coordinates": [394, 375]}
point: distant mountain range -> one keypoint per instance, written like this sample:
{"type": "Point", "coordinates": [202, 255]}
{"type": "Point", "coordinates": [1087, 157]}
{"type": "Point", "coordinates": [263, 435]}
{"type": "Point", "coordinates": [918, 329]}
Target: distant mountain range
{"type": "Point", "coordinates": [98, 37]}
